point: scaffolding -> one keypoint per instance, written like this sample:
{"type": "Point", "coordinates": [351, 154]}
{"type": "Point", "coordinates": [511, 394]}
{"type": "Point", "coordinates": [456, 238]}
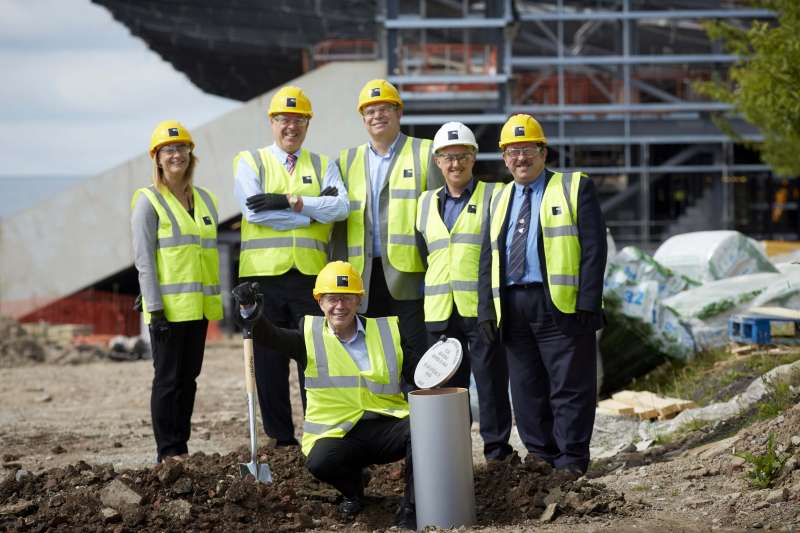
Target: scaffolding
{"type": "Point", "coordinates": [612, 83]}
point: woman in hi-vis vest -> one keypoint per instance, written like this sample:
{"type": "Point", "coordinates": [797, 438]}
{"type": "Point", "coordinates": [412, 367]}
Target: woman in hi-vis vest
{"type": "Point", "coordinates": [174, 227]}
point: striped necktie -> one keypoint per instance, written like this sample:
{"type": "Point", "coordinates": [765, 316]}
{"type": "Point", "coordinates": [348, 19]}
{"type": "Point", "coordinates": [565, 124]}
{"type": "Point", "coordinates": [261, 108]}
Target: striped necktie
{"type": "Point", "coordinates": [291, 159]}
{"type": "Point", "coordinates": [516, 256]}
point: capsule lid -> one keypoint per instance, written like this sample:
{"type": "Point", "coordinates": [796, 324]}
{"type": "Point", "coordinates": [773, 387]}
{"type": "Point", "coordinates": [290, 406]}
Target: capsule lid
{"type": "Point", "coordinates": [438, 364]}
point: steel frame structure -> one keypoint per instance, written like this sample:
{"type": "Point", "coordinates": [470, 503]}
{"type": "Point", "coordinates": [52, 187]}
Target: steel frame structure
{"type": "Point", "coordinates": [647, 131]}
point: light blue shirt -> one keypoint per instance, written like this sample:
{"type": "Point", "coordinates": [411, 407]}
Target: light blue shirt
{"type": "Point", "coordinates": [378, 168]}
{"type": "Point", "coordinates": [321, 209]}
{"type": "Point", "coordinates": [533, 271]}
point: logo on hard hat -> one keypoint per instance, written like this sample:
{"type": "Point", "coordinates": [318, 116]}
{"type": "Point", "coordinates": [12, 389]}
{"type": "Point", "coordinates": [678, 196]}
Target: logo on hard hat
{"type": "Point", "coordinates": [452, 135]}
{"type": "Point", "coordinates": [291, 102]}
{"type": "Point", "coordinates": [342, 281]}
{"type": "Point", "coordinates": [173, 132]}
{"type": "Point", "coordinates": [375, 91]}
{"type": "Point", "coordinates": [519, 131]}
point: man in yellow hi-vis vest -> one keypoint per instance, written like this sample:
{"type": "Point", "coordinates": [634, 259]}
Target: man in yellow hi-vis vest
{"type": "Point", "coordinates": [384, 178]}
{"type": "Point", "coordinates": [541, 283]}
{"type": "Point", "coordinates": [451, 219]}
{"type": "Point", "coordinates": [289, 197]}
{"type": "Point", "coordinates": [357, 414]}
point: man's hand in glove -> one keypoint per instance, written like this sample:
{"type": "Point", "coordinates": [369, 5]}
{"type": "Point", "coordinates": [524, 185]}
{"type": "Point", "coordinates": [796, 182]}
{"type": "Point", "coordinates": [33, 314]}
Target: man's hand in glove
{"type": "Point", "coordinates": [584, 318]}
{"type": "Point", "coordinates": [159, 325]}
{"type": "Point", "coordinates": [488, 330]}
{"type": "Point", "coordinates": [329, 191]}
{"type": "Point", "coordinates": [247, 293]}
{"type": "Point", "coordinates": [267, 202]}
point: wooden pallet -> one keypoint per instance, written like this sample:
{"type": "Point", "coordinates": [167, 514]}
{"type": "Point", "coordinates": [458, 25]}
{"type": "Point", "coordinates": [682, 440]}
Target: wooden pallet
{"type": "Point", "coordinates": [644, 405]}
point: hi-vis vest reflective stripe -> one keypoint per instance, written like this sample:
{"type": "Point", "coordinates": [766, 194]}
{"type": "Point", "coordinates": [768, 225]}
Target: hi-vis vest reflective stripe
{"type": "Point", "coordinates": [187, 261]}
{"type": "Point", "coordinates": [338, 392]}
{"type": "Point", "coordinates": [406, 180]}
{"type": "Point", "coordinates": [558, 217]}
{"type": "Point", "coordinates": [268, 252]}
{"type": "Point", "coordinates": [453, 256]}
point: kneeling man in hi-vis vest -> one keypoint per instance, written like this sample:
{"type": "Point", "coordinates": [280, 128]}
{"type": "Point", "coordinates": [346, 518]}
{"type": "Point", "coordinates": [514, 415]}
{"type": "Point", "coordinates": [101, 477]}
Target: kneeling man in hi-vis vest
{"type": "Point", "coordinates": [452, 219]}
{"type": "Point", "coordinates": [541, 284]}
{"type": "Point", "coordinates": [356, 415]}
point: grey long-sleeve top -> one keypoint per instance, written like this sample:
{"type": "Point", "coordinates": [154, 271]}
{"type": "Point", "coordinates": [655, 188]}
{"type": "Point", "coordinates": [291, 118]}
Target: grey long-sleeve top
{"type": "Point", "coordinates": [144, 226]}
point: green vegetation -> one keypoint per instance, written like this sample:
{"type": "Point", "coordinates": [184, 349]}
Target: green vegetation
{"type": "Point", "coordinates": [762, 85]}
{"type": "Point", "coordinates": [777, 399]}
{"type": "Point", "coordinates": [704, 378]}
{"type": "Point", "coordinates": [764, 468]}
{"type": "Point", "coordinates": [687, 428]}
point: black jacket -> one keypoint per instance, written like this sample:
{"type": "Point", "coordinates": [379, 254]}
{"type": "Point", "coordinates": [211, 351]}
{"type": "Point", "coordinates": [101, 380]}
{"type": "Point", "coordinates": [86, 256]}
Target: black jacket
{"type": "Point", "coordinates": [592, 236]}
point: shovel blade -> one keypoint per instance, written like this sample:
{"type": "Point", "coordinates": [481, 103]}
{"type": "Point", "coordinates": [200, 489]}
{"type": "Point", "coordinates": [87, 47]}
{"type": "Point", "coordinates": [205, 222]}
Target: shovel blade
{"type": "Point", "coordinates": [260, 472]}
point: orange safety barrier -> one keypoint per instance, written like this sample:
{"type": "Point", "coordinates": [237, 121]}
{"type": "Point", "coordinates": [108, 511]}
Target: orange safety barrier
{"type": "Point", "coordinates": [107, 312]}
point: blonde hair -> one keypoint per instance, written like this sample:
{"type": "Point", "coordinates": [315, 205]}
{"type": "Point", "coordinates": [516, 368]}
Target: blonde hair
{"type": "Point", "coordinates": [188, 176]}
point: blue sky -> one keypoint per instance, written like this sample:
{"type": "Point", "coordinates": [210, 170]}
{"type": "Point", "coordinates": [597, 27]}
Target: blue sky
{"type": "Point", "coordinates": [80, 94]}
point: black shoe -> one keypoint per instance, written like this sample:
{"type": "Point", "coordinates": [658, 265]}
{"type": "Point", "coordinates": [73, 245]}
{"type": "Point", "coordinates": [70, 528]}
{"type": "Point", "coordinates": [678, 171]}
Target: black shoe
{"type": "Point", "coordinates": [406, 517]}
{"type": "Point", "coordinates": [284, 443]}
{"type": "Point", "coordinates": [568, 473]}
{"type": "Point", "coordinates": [351, 506]}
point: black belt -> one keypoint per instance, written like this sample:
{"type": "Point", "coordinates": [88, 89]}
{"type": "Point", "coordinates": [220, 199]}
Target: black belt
{"type": "Point", "coordinates": [534, 285]}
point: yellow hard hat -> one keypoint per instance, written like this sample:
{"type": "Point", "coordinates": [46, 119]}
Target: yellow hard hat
{"type": "Point", "coordinates": [378, 90]}
{"type": "Point", "coordinates": [520, 129]}
{"type": "Point", "coordinates": [169, 132]}
{"type": "Point", "coordinates": [338, 277]}
{"type": "Point", "coordinates": [290, 99]}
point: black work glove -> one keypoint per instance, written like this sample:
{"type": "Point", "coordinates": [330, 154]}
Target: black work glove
{"type": "Point", "coordinates": [329, 191]}
{"type": "Point", "coordinates": [248, 293]}
{"type": "Point", "coordinates": [268, 201]}
{"type": "Point", "coordinates": [159, 325]}
{"type": "Point", "coordinates": [584, 318]}
{"type": "Point", "coordinates": [488, 330]}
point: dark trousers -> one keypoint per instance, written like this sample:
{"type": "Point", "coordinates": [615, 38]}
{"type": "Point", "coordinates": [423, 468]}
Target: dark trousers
{"type": "Point", "coordinates": [553, 380]}
{"type": "Point", "coordinates": [410, 313]}
{"type": "Point", "coordinates": [488, 364]}
{"type": "Point", "coordinates": [287, 298]}
{"type": "Point", "coordinates": [372, 441]}
{"type": "Point", "coordinates": [177, 360]}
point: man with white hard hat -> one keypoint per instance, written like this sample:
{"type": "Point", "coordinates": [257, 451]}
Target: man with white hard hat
{"type": "Point", "coordinates": [451, 220]}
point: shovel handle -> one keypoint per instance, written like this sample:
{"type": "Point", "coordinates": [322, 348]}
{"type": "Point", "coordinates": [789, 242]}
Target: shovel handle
{"type": "Point", "coordinates": [249, 366]}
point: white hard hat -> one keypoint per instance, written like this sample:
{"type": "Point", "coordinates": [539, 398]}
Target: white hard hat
{"type": "Point", "coordinates": [454, 133]}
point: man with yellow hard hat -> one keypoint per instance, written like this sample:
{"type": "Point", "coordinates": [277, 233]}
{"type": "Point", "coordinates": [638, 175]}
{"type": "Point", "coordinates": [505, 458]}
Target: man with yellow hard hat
{"type": "Point", "coordinates": [384, 178]}
{"type": "Point", "coordinates": [541, 283]}
{"type": "Point", "coordinates": [357, 415]}
{"type": "Point", "coordinates": [289, 197]}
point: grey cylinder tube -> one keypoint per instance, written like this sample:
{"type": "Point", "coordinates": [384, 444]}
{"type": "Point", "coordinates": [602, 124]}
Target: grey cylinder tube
{"type": "Point", "coordinates": [441, 447]}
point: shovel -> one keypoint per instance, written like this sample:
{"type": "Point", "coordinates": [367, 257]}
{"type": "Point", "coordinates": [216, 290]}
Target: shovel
{"type": "Point", "coordinates": [260, 472]}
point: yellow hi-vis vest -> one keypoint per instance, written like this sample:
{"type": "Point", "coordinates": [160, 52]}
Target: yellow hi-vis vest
{"type": "Point", "coordinates": [269, 252]}
{"type": "Point", "coordinates": [558, 217]}
{"type": "Point", "coordinates": [453, 256]}
{"type": "Point", "coordinates": [338, 393]}
{"type": "Point", "coordinates": [187, 260]}
{"type": "Point", "coordinates": [406, 179]}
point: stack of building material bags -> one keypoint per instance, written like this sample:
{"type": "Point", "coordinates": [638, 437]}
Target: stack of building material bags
{"type": "Point", "coordinates": [678, 301]}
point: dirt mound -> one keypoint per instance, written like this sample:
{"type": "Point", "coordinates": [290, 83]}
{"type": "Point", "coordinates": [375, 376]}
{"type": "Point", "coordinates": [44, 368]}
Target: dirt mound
{"type": "Point", "coordinates": [205, 491]}
{"type": "Point", "coordinates": [21, 348]}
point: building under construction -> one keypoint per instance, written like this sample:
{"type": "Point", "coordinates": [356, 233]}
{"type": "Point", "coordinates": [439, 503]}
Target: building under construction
{"type": "Point", "coordinates": [613, 83]}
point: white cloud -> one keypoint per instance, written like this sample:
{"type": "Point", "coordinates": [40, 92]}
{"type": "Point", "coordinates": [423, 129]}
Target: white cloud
{"type": "Point", "coordinates": [83, 99]}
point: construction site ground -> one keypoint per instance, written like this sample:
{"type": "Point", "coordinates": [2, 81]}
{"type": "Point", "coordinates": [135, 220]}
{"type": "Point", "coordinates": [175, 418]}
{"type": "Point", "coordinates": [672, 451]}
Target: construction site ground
{"type": "Point", "coordinates": [78, 454]}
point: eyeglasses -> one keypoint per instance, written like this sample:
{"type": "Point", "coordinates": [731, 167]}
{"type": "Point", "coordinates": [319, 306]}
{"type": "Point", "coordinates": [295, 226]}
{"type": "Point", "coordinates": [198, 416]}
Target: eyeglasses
{"type": "Point", "coordinates": [171, 149]}
{"type": "Point", "coordinates": [378, 110]}
{"type": "Point", "coordinates": [283, 120]}
{"type": "Point", "coordinates": [514, 153]}
{"type": "Point", "coordinates": [339, 298]}
{"type": "Point", "coordinates": [454, 158]}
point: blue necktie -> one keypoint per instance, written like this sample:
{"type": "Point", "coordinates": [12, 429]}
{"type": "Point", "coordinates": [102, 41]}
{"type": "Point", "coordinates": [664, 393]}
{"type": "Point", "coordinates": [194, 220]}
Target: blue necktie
{"type": "Point", "coordinates": [516, 256]}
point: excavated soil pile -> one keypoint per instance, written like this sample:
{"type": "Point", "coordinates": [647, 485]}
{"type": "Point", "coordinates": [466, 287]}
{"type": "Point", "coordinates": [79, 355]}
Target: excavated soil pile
{"type": "Point", "coordinates": [20, 348]}
{"type": "Point", "coordinates": [205, 492]}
